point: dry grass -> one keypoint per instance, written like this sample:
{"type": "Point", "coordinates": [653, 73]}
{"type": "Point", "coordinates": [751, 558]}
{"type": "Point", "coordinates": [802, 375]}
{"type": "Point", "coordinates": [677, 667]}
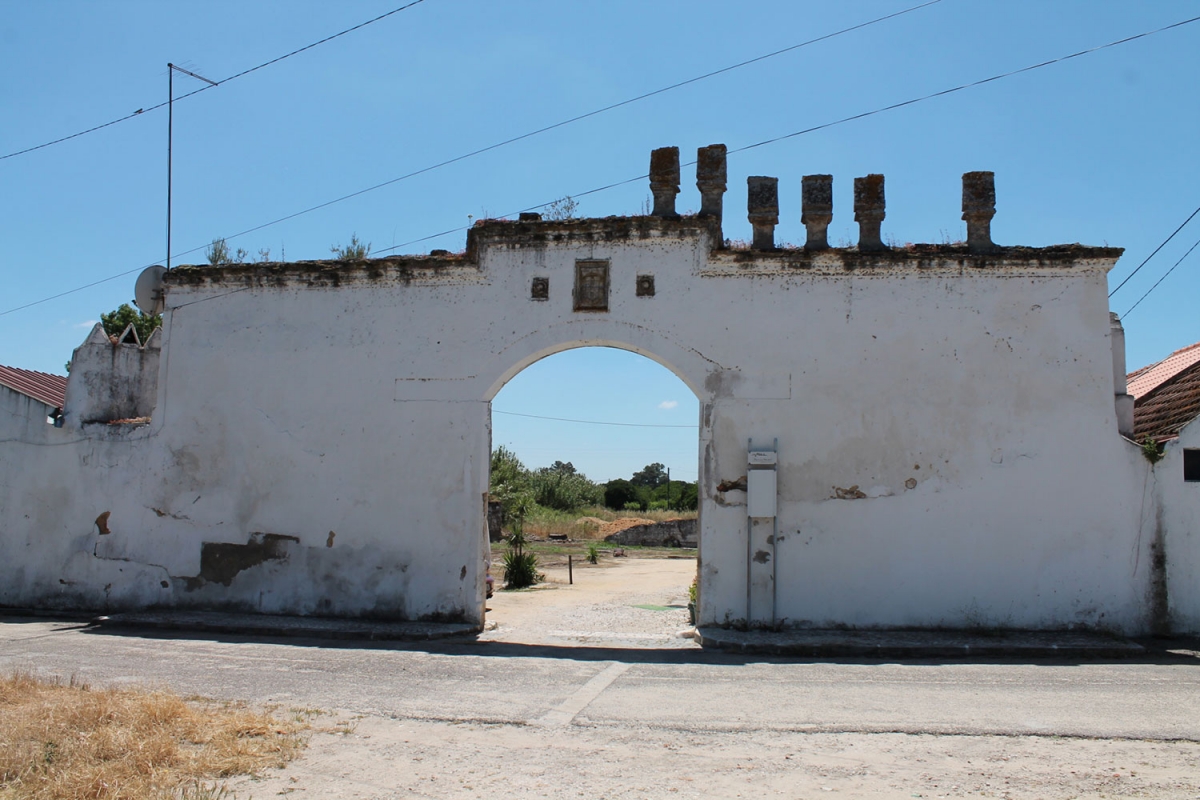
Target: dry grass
{"type": "Point", "coordinates": [592, 524]}
{"type": "Point", "coordinates": [68, 740]}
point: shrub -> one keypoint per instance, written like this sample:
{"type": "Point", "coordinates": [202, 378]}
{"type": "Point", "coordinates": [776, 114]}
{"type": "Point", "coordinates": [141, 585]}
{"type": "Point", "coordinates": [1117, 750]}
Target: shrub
{"type": "Point", "coordinates": [520, 568]}
{"type": "Point", "coordinates": [219, 253]}
{"type": "Point", "coordinates": [593, 554]}
{"type": "Point", "coordinates": [562, 208]}
{"type": "Point", "coordinates": [355, 251]}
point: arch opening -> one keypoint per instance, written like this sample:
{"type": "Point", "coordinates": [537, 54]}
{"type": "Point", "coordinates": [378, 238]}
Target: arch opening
{"type": "Point", "coordinates": [595, 463]}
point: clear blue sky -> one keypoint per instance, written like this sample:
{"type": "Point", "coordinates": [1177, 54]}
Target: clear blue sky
{"type": "Point", "coordinates": [1101, 149]}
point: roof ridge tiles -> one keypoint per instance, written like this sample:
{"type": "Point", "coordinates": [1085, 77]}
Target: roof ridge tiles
{"type": "Point", "coordinates": [41, 386]}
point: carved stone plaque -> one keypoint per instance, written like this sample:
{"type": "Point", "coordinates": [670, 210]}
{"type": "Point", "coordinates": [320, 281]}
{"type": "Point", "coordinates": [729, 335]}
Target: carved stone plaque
{"type": "Point", "coordinates": [540, 289]}
{"type": "Point", "coordinates": [591, 285]}
{"type": "Point", "coordinates": [645, 286]}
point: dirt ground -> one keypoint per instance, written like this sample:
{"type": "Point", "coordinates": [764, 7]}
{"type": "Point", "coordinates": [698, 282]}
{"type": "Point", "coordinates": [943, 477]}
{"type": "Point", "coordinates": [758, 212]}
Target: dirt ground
{"type": "Point", "coordinates": [619, 602]}
{"type": "Point", "coordinates": [386, 758]}
{"type": "Point", "coordinates": [641, 603]}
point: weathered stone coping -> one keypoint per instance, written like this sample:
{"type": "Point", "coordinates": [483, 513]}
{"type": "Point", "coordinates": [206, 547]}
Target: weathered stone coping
{"type": "Point", "coordinates": [444, 267]}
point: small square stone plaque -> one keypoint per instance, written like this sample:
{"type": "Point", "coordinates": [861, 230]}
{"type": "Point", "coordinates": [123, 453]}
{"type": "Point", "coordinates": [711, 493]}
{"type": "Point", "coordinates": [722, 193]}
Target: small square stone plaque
{"type": "Point", "coordinates": [540, 289]}
{"type": "Point", "coordinates": [645, 286]}
{"type": "Point", "coordinates": [591, 285]}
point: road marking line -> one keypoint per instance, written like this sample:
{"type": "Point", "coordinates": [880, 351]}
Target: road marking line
{"type": "Point", "coordinates": [583, 696]}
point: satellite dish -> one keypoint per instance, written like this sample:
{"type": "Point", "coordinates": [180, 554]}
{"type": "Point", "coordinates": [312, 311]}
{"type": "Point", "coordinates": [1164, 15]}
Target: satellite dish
{"type": "Point", "coordinates": [148, 291]}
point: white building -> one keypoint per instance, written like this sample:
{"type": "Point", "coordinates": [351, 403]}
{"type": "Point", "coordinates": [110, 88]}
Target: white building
{"type": "Point", "coordinates": [942, 421]}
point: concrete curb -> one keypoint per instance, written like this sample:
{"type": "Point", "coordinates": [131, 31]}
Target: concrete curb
{"type": "Point", "coordinates": [919, 644]}
{"type": "Point", "coordinates": [286, 626]}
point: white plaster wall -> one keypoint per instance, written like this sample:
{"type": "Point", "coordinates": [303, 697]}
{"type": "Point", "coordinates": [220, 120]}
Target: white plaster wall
{"type": "Point", "coordinates": [1179, 525]}
{"type": "Point", "coordinates": [22, 417]}
{"type": "Point", "coordinates": [290, 406]}
{"type": "Point", "coordinates": [109, 381]}
{"type": "Point", "coordinates": [994, 397]}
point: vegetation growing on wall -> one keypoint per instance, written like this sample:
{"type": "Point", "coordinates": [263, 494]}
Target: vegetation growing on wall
{"type": "Point", "coordinates": [562, 208]}
{"type": "Point", "coordinates": [218, 253]}
{"type": "Point", "coordinates": [355, 251]}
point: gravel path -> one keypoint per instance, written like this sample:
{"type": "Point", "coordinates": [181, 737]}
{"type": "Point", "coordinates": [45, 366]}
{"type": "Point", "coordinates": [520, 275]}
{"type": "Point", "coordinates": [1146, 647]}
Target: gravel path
{"type": "Point", "coordinates": [622, 602]}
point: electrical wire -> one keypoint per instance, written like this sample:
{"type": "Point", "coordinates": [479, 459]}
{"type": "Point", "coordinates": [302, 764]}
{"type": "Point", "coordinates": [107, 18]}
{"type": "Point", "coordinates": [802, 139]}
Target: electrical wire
{"type": "Point", "coordinates": [844, 120]}
{"type": "Point", "coordinates": [565, 122]}
{"type": "Point", "coordinates": [744, 148]}
{"type": "Point", "coordinates": [243, 73]}
{"type": "Point", "coordinates": [593, 422]}
{"type": "Point", "coordinates": [448, 161]}
{"type": "Point", "coordinates": [1163, 278]}
{"type": "Point", "coordinates": [970, 85]}
{"type": "Point", "coordinates": [1152, 255]}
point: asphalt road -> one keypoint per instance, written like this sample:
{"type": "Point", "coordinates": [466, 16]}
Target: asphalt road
{"type": "Point", "coordinates": [586, 690]}
{"type": "Point", "coordinates": [1155, 697]}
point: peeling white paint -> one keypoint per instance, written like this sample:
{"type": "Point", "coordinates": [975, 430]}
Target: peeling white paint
{"type": "Point", "coordinates": [971, 399]}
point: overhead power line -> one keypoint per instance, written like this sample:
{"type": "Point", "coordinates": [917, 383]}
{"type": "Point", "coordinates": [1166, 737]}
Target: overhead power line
{"type": "Point", "coordinates": [452, 160]}
{"type": "Point", "coordinates": [593, 422]}
{"type": "Point", "coordinates": [545, 129]}
{"type": "Point", "coordinates": [1163, 278]}
{"type": "Point", "coordinates": [844, 120]}
{"type": "Point", "coordinates": [243, 73]}
{"type": "Point", "coordinates": [1152, 255]}
{"type": "Point", "coordinates": [614, 184]}
{"type": "Point", "coordinates": [970, 85]}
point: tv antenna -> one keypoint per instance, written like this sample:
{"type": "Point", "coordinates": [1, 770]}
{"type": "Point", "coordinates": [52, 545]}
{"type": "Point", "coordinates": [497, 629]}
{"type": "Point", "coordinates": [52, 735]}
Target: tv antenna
{"type": "Point", "coordinates": [171, 70]}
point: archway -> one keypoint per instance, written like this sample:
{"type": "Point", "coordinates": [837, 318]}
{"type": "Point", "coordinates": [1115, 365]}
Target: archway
{"type": "Point", "coordinates": [596, 462]}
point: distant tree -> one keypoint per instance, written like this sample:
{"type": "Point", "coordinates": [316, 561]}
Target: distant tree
{"type": "Point", "coordinates": [689, 497]}
{"type": "Point", "coordinates": [678, 495]}
{"type": "Point", "coordinates": [115, 322]}
{"type": "Point", "coordinates": [510, 484]}
{"type": "Point", "coordinates": [653, 476]}
{"type": "Point", "coordinates": [620, 494]}
{"type": "Point", "coordinates": [561, 487]}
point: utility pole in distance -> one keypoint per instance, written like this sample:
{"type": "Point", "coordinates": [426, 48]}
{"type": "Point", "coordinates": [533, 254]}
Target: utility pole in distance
{"type": "Point", "coordinates": [171, 69]}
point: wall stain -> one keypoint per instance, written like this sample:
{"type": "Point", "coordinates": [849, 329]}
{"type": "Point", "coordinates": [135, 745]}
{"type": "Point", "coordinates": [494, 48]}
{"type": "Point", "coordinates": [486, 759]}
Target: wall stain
{"type": "Point", "coordinates": [738, 485]}
{"type": "Point", "coordinates": [220, 562]}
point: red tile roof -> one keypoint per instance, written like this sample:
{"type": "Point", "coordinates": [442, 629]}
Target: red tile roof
{"type": "Point", "coordinates": [1146, 379]}
{"type": "Point", "coordinates": [1166, 395]}
{"type": "Point", "coordinates": [41, 386]}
